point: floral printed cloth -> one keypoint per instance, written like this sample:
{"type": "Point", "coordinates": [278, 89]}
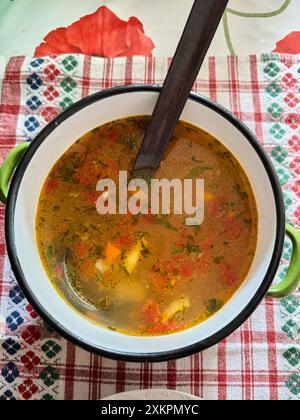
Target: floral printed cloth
{"type": "Point", "coordinates": [249, 27]}
{"type": "Point", "coordinates": [261, 360]}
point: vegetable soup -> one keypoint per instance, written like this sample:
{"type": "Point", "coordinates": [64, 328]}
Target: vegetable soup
{"type": "Point", "coordinates": [147, 274]}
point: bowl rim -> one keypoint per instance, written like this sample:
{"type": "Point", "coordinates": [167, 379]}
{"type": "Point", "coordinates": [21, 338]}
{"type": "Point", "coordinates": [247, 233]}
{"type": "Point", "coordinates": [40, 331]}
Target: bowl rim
{"type": "Point", "coordinates": [154, 356]}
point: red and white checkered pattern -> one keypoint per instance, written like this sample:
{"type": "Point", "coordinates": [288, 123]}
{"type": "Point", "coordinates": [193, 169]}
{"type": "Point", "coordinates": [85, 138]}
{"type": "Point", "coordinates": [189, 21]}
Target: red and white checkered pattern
{"type": "Point", "coordinates": [249, 364]}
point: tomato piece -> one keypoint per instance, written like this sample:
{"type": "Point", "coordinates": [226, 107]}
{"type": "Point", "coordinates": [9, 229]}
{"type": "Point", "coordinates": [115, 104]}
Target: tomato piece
{"type": "Point", "coordinates": [166, 327]}
{"type": "Point", "coordinates": [151, 311]}
{"type": "Point", "coordinates": [87, 175]}
{"type": "Point", "coordinates": [187, 270]}
{"type": "Point", "coordinates": [124, 240]}
{"type": "Point", "coordinates": [232, 227]}
{"type": "Point", "coordinates": [81, 249]}
{"type": "Point", "coordinates": [51, 185]}
{"type": "Point", "coordinates": [159, 282]}
{"type": "Point", "coordinates": [228, 275]}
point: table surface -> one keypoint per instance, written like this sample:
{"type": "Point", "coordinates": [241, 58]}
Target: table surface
{"type": "Point", "coordinates": [261, 360]}
{"type": "Point", "coordinates": [254, 26]}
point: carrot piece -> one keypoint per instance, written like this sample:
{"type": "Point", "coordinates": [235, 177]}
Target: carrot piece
{"type": "Point", "coordinates": [151, 311]}
{"type": "Point", "coordinates": [111, 252]}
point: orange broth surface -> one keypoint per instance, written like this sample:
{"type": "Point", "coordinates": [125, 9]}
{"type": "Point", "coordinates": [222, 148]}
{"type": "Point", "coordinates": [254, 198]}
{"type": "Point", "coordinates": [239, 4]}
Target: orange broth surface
{"type": "Point", "coordinates": [148, 274]}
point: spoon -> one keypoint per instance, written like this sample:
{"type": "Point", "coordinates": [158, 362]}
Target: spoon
{"type": "Point", "coordinates": [190, 54]}
{"type": "Point", "coordinates": [67, 287]}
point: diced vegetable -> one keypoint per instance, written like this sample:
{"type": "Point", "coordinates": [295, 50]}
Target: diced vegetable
{"type": "Point", "coordinates": [111, 252]}
{"type": "Point", "coordinates": [124, 240]}
{"type": "Point", "coordinates": [151, 311]}
{"type": "Point", "coordinates": [228, 275]}
{"type": "Point", "coordinates": [133, 293]}
{"type": "Point", "coordinates": [179, 305]}
{"type": "Point", "coordinates": [159, 281]}
{"type": "Point", "coordinates": [102, 266]}
{"type": "Point", "coordinates": [213, 305]}
{"type": "Point", "coordinates": [133, 256]}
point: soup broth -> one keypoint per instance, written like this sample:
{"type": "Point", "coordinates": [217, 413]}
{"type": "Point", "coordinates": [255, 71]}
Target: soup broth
{"type": "Point", "coordinates": [147, 274]}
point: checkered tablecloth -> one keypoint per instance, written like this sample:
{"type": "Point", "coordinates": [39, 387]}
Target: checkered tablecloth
{"type": "Point", "coordinates": [261, 360]}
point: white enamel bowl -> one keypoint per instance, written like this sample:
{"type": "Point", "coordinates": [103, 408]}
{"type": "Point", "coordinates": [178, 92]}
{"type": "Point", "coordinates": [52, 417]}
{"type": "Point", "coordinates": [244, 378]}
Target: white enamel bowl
{"type": "Point", "coordinates": [22, 203]}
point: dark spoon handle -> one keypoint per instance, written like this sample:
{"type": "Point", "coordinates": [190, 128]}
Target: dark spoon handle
{"type": "Point", "coordinates": [191, 51]}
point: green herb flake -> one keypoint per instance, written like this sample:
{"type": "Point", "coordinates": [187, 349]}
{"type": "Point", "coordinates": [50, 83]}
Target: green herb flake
{"type": "Point", "coordinates": [128, 142]}
{"type": "Point", "coordinates": [218, 260]}
{"type": "Point", "coordinates": [192, 248]}
{"type": "Point", "coordinates": [199, 170]}
{"type": "Point", "coordinates": [214, 305]}
{"type": "Point", "coordinates": [164, 222]}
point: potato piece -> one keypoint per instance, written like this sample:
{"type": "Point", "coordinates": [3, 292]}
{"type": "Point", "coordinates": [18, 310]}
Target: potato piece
{"type": "Point", "coordinates": [102, 266]}
{"type": "Point", "coordinates": [133, 256]}
{"type": "Point", "coordinates": [125, 293]}
{"type": "Point", "coordinates": [178, 305]}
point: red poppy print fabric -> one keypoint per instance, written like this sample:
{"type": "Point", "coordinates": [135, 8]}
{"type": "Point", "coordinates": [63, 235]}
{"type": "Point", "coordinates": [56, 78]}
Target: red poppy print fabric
{"type": "Point", "coordinates": [289, 44]}
{"type": "Point", "coordinates": [100, 34]}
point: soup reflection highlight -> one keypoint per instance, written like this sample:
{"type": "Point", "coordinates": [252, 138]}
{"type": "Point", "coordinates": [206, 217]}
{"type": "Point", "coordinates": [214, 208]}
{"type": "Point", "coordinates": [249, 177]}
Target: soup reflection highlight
{"type": "Point", "coordinates": [147, 274]}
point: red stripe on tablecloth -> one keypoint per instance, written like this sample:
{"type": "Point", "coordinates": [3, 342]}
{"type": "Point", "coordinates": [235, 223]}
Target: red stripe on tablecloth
{"type": "Point", "coordinates": [90, 374]}
{"type": "Point", "coordinates": [86, 76]}
{"type": "Point", "coordinates": [120, 376]}
{"type": "Point", "coordinates": [95, 377]}
{"type": "Point", "coordinates": [256, 89]}
{"type": "Point", "coordinates": [10, 101]}
{"type": "Point", "coordinates": [271, 351]}
{"type": "Point", "coordinates": [196, 374]}
{"type": "Point", "coordinates": [247, 372]}
{"type": "Point", "coordinates": [150, 77]}
{"type": "Point", "coordinates": [222, 371]}
{"type": "Point", "coordinates": [234, 87]}
{"type": "Point", "coordinates": [145, 376]}
{"type": "Point", "coordinates": [212, 79]}
{"type": "Point", "coordinates": [9, 115]}
{"type": "Point", "coordinates": [251, 358]}
{"type": "Point", "coordinates": [128, 71]}
{"type": "Point", "coordinates": [171, 375]}
{"type": "Point", "coordinates": [107, 76]}
{"type": "Point", "coordinates": [70, 371]}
